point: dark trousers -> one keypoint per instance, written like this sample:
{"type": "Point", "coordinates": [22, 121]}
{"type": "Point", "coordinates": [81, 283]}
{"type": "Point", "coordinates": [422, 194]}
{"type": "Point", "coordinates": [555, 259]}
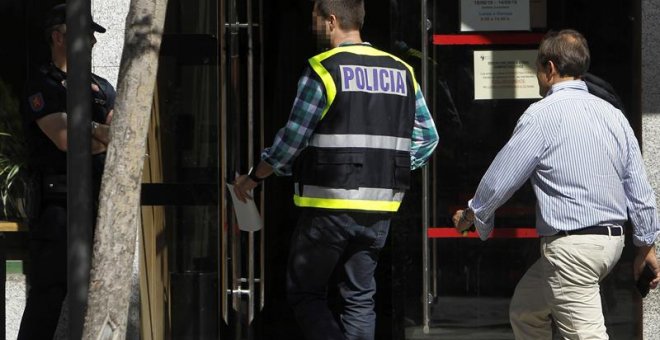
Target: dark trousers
{"type": "Point", "coordinates": [47, 275]}
{"type": "Point", "coordinates": [322, 242]}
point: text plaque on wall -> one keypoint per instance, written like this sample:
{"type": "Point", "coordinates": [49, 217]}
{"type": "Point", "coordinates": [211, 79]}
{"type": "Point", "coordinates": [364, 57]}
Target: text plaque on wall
{"type": "Point", "coordinates": [495, 15]}
{"type": "Point", "coordinates": [509, 74]}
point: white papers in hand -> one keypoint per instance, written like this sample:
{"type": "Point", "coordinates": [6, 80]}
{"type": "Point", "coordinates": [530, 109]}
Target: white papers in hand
{"type": "Point", "coordinates": [246, 213]}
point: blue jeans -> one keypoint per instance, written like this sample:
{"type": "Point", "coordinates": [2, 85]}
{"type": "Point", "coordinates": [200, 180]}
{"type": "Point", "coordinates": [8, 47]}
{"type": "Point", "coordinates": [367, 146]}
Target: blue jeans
{"type": "Point", "coordinates": [322, 241]}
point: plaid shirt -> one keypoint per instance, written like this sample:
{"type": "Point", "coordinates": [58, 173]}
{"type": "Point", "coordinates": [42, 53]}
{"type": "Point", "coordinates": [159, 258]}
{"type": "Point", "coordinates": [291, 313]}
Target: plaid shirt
{"type": "Point", "coordinates": [306, 114]}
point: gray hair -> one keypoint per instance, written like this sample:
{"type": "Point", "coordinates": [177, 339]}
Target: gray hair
{"type": "Point", "coordinates": [568, 50]}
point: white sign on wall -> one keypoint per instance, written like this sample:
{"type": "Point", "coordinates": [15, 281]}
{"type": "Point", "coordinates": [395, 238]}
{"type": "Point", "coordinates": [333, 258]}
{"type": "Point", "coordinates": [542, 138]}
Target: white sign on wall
{"type": "Point", "coordinates": [495, 15]}
{"type": "Point", "coordinates": [505, 75]}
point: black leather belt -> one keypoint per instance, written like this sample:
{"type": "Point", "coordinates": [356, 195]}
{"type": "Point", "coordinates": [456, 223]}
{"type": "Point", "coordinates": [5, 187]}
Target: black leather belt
{"type": "Point", "coordinates": [613, 230]}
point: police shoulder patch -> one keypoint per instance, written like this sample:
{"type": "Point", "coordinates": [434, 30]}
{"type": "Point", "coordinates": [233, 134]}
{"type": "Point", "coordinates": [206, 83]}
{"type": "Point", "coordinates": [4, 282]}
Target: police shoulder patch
{"type": "Point", "coordinates": [36, 102]}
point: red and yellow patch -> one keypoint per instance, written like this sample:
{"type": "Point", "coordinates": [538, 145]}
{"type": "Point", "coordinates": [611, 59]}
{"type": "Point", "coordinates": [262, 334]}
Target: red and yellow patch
{"type": "Point", "coordinates": [36, 102]}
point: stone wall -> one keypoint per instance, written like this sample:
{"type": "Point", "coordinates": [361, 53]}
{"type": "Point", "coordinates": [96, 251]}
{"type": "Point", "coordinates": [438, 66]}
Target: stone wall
{"type": "Point", "coordinates": [651, 134]}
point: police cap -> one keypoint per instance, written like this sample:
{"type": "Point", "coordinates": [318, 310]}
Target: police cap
{"type": "Point", "coordinates": [57, 16]}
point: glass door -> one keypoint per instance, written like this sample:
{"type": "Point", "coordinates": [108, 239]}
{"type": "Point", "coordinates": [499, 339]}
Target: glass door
{"type": "Point", "coordinates": [205, 129]}
{"type": "Point", "coordinates": [470, 282]}
{"type": "Point", "coordinates": [181, 190]}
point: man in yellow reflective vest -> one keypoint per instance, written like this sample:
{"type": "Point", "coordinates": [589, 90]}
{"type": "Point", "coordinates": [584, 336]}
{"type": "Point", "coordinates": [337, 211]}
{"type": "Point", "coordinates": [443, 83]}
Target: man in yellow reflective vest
{"type": "Point", "coordinates": [358, 126]}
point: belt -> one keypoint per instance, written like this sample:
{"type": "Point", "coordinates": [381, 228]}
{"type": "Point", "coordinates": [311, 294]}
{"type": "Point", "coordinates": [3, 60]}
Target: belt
{"type": "Point", "coordinates": [611, 230]}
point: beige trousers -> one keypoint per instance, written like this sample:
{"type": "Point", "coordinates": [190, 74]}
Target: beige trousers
{"type": "Point", "coordinates": [564, 285]}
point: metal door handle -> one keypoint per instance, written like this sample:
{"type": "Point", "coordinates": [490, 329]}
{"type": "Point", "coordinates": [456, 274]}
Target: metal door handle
{"type": "Point", "coordinates": [240, 282]}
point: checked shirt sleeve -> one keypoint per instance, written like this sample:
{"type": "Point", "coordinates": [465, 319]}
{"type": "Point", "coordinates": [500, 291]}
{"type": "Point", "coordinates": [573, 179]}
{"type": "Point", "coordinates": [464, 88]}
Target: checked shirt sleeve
{"type": "Point", "coordinates": [294, 136]}
{"type": "Point", "coordinates": [424, 136]}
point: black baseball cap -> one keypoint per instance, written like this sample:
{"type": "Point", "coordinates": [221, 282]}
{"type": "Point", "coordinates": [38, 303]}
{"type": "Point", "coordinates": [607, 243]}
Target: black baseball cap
{"type": "Point", "coordinates": [57, 16]}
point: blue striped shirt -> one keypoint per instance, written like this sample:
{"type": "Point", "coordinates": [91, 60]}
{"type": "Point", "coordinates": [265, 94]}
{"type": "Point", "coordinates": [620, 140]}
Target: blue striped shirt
{"type": "Point", "coordinates": [306, 113]}
{"type": "Point", "coordinates": [584, 163]}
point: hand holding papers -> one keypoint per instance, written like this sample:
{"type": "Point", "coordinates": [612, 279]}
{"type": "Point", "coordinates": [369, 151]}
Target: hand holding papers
{"type": "Point", "coordinates": [246, 212]}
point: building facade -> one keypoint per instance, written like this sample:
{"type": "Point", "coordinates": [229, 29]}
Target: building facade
{"type": "Point", "coordinates": [227, 77]}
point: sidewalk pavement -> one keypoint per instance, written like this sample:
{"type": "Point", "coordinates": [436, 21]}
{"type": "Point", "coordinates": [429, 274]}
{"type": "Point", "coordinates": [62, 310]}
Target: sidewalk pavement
{"type": "Point", "coordinates": [15, 303]}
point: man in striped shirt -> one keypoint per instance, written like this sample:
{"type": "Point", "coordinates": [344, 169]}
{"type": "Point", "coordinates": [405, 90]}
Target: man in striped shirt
{"type": "Point", "coordinates": [586, 169]}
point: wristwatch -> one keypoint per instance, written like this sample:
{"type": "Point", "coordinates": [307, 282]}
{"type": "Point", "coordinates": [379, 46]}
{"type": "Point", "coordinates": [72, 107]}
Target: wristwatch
{"type": "Point", "coordinates": [252, 174]}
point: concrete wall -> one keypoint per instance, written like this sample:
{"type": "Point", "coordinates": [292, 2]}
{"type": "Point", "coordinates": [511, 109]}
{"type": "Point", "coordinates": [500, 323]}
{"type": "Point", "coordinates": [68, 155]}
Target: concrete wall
{"type": "Point", "coordinates": [651, 134]}
{"type": "Point", "coordinates": [106, 55]}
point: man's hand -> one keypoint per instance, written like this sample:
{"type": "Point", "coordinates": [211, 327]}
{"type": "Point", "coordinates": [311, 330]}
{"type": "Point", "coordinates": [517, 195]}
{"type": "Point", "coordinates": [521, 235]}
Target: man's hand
{"type": "Point", "coordinates": [101, 133]}
{"type": "Point", "coordinates": [463, 220]}
{"type": "Point", "coordinates": [108, 117]}
{"type": "Point", "coordinates": [646, 256]}
{"type": "Point", "coordinates": [243, 186]}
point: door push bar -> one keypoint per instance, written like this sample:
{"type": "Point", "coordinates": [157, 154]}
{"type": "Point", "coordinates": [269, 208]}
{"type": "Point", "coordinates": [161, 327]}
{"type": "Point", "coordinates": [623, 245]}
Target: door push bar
{"type": "Point", "coordinates": [240, 282]}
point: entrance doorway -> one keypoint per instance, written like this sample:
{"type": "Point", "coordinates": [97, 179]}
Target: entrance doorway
{"type": "Point", "coordinates": [227, 79]}
{"type": "Point", "coordinates": [471, 282]}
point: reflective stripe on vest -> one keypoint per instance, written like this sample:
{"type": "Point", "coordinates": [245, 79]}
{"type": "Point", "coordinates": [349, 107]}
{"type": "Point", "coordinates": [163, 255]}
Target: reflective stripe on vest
{"type": "Point", "coordinates": [328, 82]}
{"type": "Point", "coordinates": [371, 199]}
{"type": "Point", "coordinates": [360, 141]}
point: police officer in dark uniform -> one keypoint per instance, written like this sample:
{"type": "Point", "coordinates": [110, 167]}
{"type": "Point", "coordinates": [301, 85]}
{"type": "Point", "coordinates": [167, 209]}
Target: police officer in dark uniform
{"type": "Point", "coordinates": [44, 109]}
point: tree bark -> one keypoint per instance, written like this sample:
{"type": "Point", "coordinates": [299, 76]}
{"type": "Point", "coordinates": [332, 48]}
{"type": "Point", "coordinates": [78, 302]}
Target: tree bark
{"type": "Point", "coordinates": [118, 215]}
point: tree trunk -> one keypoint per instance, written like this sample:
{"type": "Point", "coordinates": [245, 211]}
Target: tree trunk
{"type": "Point", "coordinates": [118, 215]}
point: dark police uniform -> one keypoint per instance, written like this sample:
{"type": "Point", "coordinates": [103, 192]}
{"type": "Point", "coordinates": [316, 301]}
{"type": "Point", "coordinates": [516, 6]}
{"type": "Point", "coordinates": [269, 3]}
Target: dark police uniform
{"type": "Point", "coordinates": [46, 94]}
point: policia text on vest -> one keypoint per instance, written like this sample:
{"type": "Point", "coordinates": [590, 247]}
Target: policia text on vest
{"type": "Point", "coordinates": [373, 80]}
